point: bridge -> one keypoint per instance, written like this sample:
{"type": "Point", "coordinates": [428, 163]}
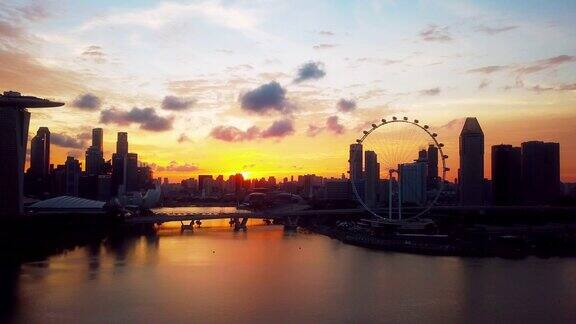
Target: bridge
{"type": "Point", "coordinates": [290, 217]}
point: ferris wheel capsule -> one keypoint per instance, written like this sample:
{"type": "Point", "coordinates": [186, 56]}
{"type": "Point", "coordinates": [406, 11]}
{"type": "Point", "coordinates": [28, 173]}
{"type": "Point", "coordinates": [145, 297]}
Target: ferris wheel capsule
{"type": "Point", "coordinates": [434, 134]}
{"type": "Point", "coordinates": [394, 118]}
{"type": "Point", "coordinates": [416, 121]}
{"type": "Point", "coordinates": [405, 118]}
{"type": "Point", "coordinates": [374, 126]}
{"type": "Point", "coordinates": [365, 132]}
{"type": "Point", "coordinates": [384, 120]}
{"type": "Point", "coordinates": [426, 127]}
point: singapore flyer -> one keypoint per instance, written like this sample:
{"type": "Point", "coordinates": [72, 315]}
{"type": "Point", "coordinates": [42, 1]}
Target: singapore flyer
{"type": "Point", "coordinates": [397, 169]}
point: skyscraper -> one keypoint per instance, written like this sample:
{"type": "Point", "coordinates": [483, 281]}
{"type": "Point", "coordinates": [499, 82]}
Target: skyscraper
{"type": "Point", "coordinates": [122, 143]}
{"type": "Point", "coordinates": [131, 172]}
{"type": "Point", "coordinates": [355, 162]}
{"type": "Point", "coordinates": [98, 139]}
{"type": "Point", "coordinates": [73, 171]}
{"type": "Point", "coordinates": [118, 174]}
{"type": "Point", "coordinates": [506, 185]}
{"type": "Point", "coordinates": [432, 181]}
{"type": "Point", "coordinates": [540, 172]}
{"type": "Point", "coordinates": [40, 153]}
{"type": "Point", "coordinates": [14, 122]}
{"type": "Point", "coordinates": [413, 182]}
{"type": "Point", "coordinates": [471, 173]}
{"type": "Point", "coordinates": [94, 161]}
{"type": "Point", "coordinates": [372, 177]}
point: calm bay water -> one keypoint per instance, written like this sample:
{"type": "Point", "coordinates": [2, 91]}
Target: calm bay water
{"type": "Point", "coordinates": [215, 275]}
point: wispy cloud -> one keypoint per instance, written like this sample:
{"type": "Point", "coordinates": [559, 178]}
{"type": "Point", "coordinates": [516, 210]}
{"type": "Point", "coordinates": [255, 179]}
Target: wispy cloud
{"type": "Point", "coordinates": [278, 130]}
{"type": "Point", "coordinates": [431, 92]}
{"type": "Point", "coordinates": [324, 46]}
{"type": "Point", "coordinates": [435, 33]}
{"type": "Point", "coordinates": [166, 12]}
{"type": "Point", "coordinates": [494, 30]}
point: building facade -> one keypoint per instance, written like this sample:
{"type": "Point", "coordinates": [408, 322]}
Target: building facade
{"type": "Point", "coordinates": [471, 173]}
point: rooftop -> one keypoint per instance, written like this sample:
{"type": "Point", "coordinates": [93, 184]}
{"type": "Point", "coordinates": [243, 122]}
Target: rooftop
{"type": "Point", "coordinates": [12, 99]}
{"type": "Point", "coordinates": [471, 126]}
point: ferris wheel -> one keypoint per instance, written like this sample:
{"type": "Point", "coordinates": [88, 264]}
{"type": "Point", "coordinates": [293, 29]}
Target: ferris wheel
{"type": "Point", "coordinates": [403, 148]}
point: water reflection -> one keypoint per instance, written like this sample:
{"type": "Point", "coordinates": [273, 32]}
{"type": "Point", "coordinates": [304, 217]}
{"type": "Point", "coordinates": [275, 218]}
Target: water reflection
{"type": "Point", "coordinates": [265, 274]}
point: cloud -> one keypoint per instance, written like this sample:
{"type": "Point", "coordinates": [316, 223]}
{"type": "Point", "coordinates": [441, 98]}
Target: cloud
{"type": "Point", "coordinates": [488, 69]}
{"type": "Point", "coordinates": [375, 60]}
{"type": "Point", "coordinates": [234, 134]}
{"type": "Point", "coordinates": [333, 126]}
{"type": "Point", "coordinates": [494, 30]}
{"type": "Point", "coordinates": [453, 124]}
{"type": "Point", "coordinates": [146, 117]}
{"type": "Point", "coordinates": [183, 138]}
{"type": "Point", "coordinates": [14, 20]}
{"type": "Point", "coordinates": [313, 130]}
{"type": "Point", "coordinates": [545, 64]}
{"type": "Point", "coordinates": [177, 103]}
{"type": "Point", "coordinates": [95, 54]}
{"type": "Point", "coordinates": [16, 69]}
{"type": "Point", "coordinates": [186, 87]}
{"type": "Point", "coordinates": [326, 33]}
{"type": "Point", "coordinates": [324, 46]}
{"type": "Point", "coordinates": [527, 68]}
{"type": "Point", "coordinates": [64, 140]}
{"type": "Point", "coordinates": [310, 71]}
{"type": "Point", "coordinates": [167, 12]}
{"type": "Point", "coordinates": [279, 129]}
{"type": "Point", "coordinates": [435, 33]}
{"type": "Point", "coordinates": [87, 101]}
{"type": "Point", "coordinates": [174, 167]}
{"type": "Point", "coordinates": [345, 105]}
{"type": "Point", "coordinates": [430, 92]}
{"type": "Point", "coordinates": [563, 87]}
{"type": "Point", "coordinates": [225, 51]}
{"type": "Point", "coordinates": [264, 99]}
{"type": "Point", "coordinates": [484, 84]}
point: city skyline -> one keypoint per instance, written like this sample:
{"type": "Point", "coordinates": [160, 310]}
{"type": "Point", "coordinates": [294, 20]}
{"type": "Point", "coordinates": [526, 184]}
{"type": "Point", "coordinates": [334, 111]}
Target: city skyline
{"type": "Point", "coordinates": [237, 103]}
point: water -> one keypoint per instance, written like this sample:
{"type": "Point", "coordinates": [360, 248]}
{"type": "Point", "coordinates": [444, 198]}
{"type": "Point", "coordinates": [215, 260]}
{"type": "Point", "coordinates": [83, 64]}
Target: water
{"type": "Point", "coordinates": [215, 275]}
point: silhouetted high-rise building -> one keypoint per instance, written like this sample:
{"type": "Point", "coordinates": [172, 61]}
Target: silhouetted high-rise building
{"type": "Point", "coordinates": [40, 153]}
{"type": "Point", "coordinates": [355, 162]}
{"type": "Point", "coordinates": [122, 143]}
{"type": "Point", "coordinates": [98, 139]}
{"type": "Point", "coordinates": [73, 171]}
{"type": "Point", "coordinates": [413, 182]}
{"type": "Point", "coordinates": [471, 173]}
{"type": "Point", "coordinates": [94, 161]}
{"type": "Point", "coordinates": [118, 174]}
{"type": "Point", "coordinates": [506, 184]}
{"type": "Point", "coordinates": [372, 178]}
{"type": "Point", "coordinates": [14, 122]}
{"type": "Point", "coordinates": [432, 181]}
{"type": "Point", "coordinates": [205, 185]}
{"type": "Point", "coordinates": [540, 172]}
{"type": "Point", "coordinates": [131, 172]}
{"type": "Point", "coordinates": [37, 177]}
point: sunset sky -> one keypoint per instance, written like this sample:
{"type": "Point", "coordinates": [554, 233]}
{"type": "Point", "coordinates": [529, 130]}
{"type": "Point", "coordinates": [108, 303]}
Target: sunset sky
{"type": "Point", "coordinates": [283, 87]}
